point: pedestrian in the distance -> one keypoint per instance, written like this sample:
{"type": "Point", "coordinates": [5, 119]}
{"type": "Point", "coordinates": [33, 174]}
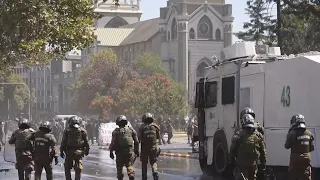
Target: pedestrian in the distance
{"type": "Point", "coordinates": [190, 131]}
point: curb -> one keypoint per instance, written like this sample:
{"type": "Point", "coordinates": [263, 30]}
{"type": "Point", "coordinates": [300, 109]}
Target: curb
{"type": "Point", "coordinates": [104, 148]}
{"type": "Point", "coordinates": [180, 155]}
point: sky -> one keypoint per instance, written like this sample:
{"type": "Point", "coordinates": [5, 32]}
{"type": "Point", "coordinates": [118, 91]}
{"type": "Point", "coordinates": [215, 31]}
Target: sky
{"type": "Point", "coordinates": [151, 9]}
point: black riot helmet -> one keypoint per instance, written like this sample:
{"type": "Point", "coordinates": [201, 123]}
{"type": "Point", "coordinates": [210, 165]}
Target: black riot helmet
{"type": "Point", "coordinates": [147, 118]}
{"type": "Point", "coordinates": [247, 110]}
{"type": "Point", "coordinates": [121, 120]}
{"type": "Point", "coordinates": [74, 121]}
{"type": "Point", "coordinates": [298, 120]}
{"type": "Point", "coordinates": [45, 126]}
{"type": "Point", "coordinates": [24, 123]}
{"type": "Point", "coordinates": [247, 120]}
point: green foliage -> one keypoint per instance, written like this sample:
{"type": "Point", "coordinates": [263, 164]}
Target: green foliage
{"type": "Point", "coordinates": [149, 64]}
{"type": "Point", "coordinates": [104, 75]}
{"type": "Point", "coordinates": [158, 94]}
{"type": "Point", "coordinates": [34, 31]}
{"type": "Point", "coordinates": [259, 23]}
{"type": "Point", "coordinates": [108, 86]}
{"type": "Point", "coordinates": [18, 94]}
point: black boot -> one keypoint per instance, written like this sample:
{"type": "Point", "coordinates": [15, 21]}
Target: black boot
{"type": "Point", "coordinates": [155, 176]}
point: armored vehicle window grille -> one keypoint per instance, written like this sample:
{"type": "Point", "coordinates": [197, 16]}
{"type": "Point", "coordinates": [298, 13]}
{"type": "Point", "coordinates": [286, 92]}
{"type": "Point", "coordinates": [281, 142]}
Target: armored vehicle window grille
{"type": "Point", "coordinates": [199, 99]}
{"type": "Point", "coordinates": [211, 94]}
{"type": "Point", "coordinates": [228, 90]}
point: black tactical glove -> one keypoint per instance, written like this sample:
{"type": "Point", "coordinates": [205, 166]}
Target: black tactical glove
{"type": "Point", "coordinates": [86, 152]}
{"type": "Point", "coordinates": [56, 161]}
{"type": "Point", "coordinates": [111, 155]}
{"type": "Point", "coordinates": [263, 167]}
{"type": "Point", "coordinates": [137, 153]}
{"type": "Point", "coordinates": [62, 155]}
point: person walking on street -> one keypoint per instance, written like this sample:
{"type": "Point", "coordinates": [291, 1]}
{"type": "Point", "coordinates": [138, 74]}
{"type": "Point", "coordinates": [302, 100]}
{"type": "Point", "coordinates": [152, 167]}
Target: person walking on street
{"type": "Point", "coordinates": [74, 146]}
{"type": "Point", "coordinates": [126, 145]}
{"type": "Point", "coordinates": [169, 130]}
{"type": "Point", "coordinates": [44, 150]}
{"type": "Point", "coordinates": [190, 131]}
{"type": "Point", "coordinates": [247, 147]}
{"type": "Point", "coordinates": [149, 134]}
{"type": "Point", "coordinates": [195, 135]}
{"type": "Point", "coordinates": [301, 142]}
{"type": "Point", "coordinates": [23, 148]}
{"type": "Point", "coordinates": [162, 126]}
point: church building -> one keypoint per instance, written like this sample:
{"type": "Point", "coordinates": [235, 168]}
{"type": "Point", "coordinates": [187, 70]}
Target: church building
{"type": "Point", "coordinates": [186, 35]}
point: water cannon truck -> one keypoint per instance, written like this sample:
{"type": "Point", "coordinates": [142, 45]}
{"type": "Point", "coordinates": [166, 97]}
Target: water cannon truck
{"type": "Point", "coordinates": [275, 86]}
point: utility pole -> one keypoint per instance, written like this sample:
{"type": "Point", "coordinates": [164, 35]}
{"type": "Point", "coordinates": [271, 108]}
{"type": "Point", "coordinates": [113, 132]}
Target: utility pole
{"type": "Point", "coordinates": [279, 23]}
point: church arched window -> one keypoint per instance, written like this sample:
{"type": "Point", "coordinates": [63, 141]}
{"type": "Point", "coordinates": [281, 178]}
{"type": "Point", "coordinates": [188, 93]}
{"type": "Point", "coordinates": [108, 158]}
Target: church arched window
{"type": "Point", "coordinates": [192, 34]}
{"type": "Point", "coordinates": [174, 29]}
{"type": "Point", "coordinates": [218, 34]}
{"type": "Point", "coordinates": [116, 22]}
{"type": "Point", "coordinates": [204, 28]}
{"type": "Point", "coordinates": [201, 69]}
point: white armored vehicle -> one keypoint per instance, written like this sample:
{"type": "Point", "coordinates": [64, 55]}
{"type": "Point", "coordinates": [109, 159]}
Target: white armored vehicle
{"type": "Point", "coordinates": [276, 87]}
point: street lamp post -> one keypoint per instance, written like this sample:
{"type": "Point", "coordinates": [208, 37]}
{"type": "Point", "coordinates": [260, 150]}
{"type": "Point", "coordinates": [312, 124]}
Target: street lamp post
{"type": "Point", "coordinates": [29, 92]}
{"type": "Point", "coordinates": [53, 102]}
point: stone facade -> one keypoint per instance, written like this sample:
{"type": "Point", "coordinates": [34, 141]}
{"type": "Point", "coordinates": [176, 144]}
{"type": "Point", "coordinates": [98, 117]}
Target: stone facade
{"type": "Point", "coordinates": [188, 34]}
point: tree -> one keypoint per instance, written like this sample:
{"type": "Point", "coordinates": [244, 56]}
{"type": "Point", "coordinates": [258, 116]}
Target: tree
{"type": "Point", "coordinates": [17, 95]}
{"type": "Point", "coordinates": [259, 24]}
{"type": "Point", "coordinates": [306, 7]}
{"type": "Point", "coordinates": [35, 31]}
{"type": "Point", "coordinates": [104, 75]}
{"type": "Point", "coordinates": [149, 64]}
{"type": "Point", "coordinates": [158, 94]}
{"type": "Point", "coordinates": [102, 105]}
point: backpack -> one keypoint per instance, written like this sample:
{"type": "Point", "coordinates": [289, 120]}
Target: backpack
{"type": "Point", "coordinates": [248, 151]}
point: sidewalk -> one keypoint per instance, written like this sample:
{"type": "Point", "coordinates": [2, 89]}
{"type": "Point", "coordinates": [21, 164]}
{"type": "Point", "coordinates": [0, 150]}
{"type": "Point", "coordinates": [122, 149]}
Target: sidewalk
{"type": "Point", "coordinates": [5, 166]}
{"type": "Point", "coordinates": [178, 150]}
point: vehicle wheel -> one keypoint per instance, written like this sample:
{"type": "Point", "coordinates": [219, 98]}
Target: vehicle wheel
{"type": "Point", "coordinates": [206, 169]}
{"type": "Point", "coordinates": [220, 158]}
{"type": "Point", "coordinates": [315, 173]}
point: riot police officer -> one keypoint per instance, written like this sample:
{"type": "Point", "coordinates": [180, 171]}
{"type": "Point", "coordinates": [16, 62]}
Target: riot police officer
{"type": "Point", "coordinates": [126, 145]}
{"type": "Point", "coordinates": [149, 134]}
{"type": "Point", "coordinates": [301, 142]}
{"type": "Point", "coordinates": [23, 148]}
{"type": "Point", "coordinates": [248, 110]}
{"type": "Point", "coordinates": [74, 146]}
{"type": "Point", "coordinates": [247, 147]}
{"type": "Point", "coordinates": [44, 150]}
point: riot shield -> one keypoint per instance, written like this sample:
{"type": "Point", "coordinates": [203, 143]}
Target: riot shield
{"type": "Point", "coordinates": [9, 150]}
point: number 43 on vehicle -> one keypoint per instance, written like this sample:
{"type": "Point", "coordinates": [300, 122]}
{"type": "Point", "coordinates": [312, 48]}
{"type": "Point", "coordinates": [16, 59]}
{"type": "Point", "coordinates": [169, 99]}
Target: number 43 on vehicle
{"type": "Point", "coordinates": [285, 97]}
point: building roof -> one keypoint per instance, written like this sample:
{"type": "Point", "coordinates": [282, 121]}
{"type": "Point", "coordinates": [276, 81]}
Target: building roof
{"type": "Point", "coordinates": [112, 36]}
{"type": "Point", "coordinates": [143, 31]}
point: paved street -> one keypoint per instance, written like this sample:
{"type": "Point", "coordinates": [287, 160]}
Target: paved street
{"type": "Point", "coordinates": [98, 165]}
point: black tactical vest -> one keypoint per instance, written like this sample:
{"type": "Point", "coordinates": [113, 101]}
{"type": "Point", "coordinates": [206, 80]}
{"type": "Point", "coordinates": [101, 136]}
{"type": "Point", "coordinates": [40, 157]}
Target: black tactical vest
{"type": "Point", "coordinates": [301, 142]}
{"type": "Point", "coordinates": [42, 143]}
